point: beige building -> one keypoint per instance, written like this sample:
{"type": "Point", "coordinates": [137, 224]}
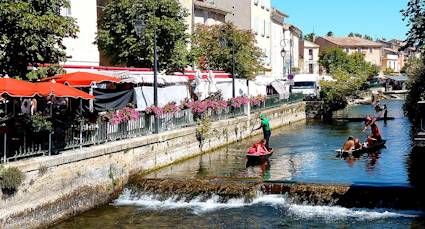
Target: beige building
{"type": "Point", "coordinates": [252, 15]}
{"type": "Point", "coordinates": [207, 12]}
{"type": "Point", "coordinates": [309, 58]}
{"type": "Point", "coordinates": [371, 49]}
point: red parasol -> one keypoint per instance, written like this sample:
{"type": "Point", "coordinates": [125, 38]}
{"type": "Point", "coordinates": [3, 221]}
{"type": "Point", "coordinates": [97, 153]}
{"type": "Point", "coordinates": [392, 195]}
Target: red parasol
{"type": "Point", "coordinates": [60, 90]}
{"type": "Point", "coordinates": [16, 88]}
{"type": "Point", "coordinates": [82, 79]}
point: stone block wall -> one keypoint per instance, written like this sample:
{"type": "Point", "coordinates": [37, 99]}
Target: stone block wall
{"type": "Point", "coordinates": [76, 181]}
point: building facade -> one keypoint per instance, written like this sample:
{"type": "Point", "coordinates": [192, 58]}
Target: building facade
{"type": "Point", "coordinates": [206, 12]}
{"type": "Point", "coordinates": [82, 50]}
{"type": "Point", "coordinates": [277, 20]}
{"type": "Point", "coordinates": [291, 43]}
{"type": "Point", "coordinates": [371, 49]}
{"type": "Point", "coordinates": [252, 15]}
{"type": "Point", "coordinates": [309, 58]}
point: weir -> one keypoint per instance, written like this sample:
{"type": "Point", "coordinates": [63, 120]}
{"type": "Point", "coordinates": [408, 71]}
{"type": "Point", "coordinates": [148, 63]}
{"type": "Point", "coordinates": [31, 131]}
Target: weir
{"type": "Point", "coordinates": [369, 195]}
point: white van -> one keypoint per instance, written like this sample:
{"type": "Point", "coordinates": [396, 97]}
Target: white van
{"type": "Point", "coordinates": [307, 84]}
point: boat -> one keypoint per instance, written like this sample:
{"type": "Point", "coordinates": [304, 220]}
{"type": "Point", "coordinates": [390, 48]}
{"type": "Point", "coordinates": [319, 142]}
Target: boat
{"type": "Point", "coordinates": [361, 119]}
{"type": "Point", "coordinates": [252, 157]}
{"type": "Point", "coordinates": [358, 152]}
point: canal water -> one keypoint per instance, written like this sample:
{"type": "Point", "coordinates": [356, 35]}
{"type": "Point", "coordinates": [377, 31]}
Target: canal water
{"type": "Point", "coordinates": [303, 152]}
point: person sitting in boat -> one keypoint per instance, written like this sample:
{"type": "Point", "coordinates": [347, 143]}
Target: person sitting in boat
{"type": "Point", "coordinates": [357, 144]}
{"type": "Point", "coordinates": [349, 144]}
{"type": "Point", "coordinates": [375, 136]}
{"type": "Point", "coordinates": [259, 148]}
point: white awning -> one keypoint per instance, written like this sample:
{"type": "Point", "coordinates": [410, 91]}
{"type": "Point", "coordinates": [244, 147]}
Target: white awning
{"type": "Point", "coordinates": [281, 89]}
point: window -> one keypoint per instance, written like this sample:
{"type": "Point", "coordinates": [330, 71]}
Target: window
{"type": "Point", "coordinates": [305, 84]}
{"type": "Point", "coordinates": [370, 50]}
{"type": "Point", "coordinates": [256, 25]}
{"type": "Point", "coordinates": [66, 11]}
{"type": "Point", "coordinates": [359, 49]}
{"type": "Point", "coordinates": [263, 30]}
{"type": "Point", "coordinates": [267, 28]}
{"type": "Point", "coordinates": [311, 68]}
{"type": "Point", "coordinates": [267, 4]}
{"type": "Point", "coordinates": [347, 50]}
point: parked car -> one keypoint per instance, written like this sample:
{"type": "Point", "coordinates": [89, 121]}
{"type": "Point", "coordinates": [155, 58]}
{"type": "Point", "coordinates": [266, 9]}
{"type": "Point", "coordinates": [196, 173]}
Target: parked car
{"type": "Point", "coordinates": [307, 84]}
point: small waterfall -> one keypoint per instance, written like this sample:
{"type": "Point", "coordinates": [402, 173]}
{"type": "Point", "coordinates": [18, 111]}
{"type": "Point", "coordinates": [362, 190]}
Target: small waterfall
{"type": "Point", "coordinates": [202, 205]}
{"type": "Point", "coordinates": [202, 196]}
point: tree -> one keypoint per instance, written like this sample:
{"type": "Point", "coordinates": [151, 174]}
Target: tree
{"type": "Point", "coordinates": [118, 40]}
{"type": "Point", "coordinates": [350, 72]}
{"type": "Point", "coordinates": [310, 37]}
{"type": "Point", "coordinates": [208, 53]}
{"type": "Point", "coordinates": [355, 35]}
{"type": "Point", "coordinates": [415, 70]}
{"type": "Point", "coordinates": [367, 37]}
{"type": "Point", "coordinates": [32, 33]}
{"type": "Point", "coordinates": [44, 72]}
{"type": "Point", "coordinates": [330, 34]}
{"type": "Point", "coordinates": [414, 14]}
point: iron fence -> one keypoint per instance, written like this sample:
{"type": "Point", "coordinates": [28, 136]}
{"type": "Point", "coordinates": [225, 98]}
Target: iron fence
{"type": "Point", "coordinates": [28, 144]}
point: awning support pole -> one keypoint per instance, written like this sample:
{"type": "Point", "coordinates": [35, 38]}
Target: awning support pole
{"type": "Point", "coordinates": [81, 124]}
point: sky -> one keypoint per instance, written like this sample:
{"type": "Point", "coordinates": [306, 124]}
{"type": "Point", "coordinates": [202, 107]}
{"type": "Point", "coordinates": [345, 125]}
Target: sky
{"type": "Point", "coordinates": [376, 18]}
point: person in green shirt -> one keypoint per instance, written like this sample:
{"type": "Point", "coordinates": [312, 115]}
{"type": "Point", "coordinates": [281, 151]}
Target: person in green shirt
{"type": "Point", "coordinates": [267, 131]}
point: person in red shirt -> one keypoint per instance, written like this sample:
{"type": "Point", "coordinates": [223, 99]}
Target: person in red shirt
{"type": "Point", "coordinates": [375, 136]}
{"type": "Point", "coordinates": [259, 148]}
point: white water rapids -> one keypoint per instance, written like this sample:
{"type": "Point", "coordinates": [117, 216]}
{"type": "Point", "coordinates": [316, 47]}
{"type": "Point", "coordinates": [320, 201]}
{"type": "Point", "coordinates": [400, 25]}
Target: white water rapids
{"type": "Point", "coordinates": [200, 206]}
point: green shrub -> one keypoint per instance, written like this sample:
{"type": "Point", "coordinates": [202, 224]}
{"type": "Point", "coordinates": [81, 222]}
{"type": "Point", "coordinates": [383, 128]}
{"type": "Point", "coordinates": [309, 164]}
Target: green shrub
{"type": "Point", "coordinates": [10, 178]}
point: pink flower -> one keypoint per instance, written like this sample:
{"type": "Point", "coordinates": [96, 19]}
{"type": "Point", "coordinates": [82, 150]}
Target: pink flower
{"type": "Point", "coordinates": [171, 108]}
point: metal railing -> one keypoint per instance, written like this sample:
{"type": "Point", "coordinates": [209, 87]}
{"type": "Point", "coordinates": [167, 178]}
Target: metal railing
{"type": "Point", "coordinates": [29, 144]}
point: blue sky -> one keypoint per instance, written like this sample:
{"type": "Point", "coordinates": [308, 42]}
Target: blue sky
{"type": "Point", "coordinates": [377, 18]}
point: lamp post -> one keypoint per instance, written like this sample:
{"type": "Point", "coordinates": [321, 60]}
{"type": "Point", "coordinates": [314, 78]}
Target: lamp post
{"type": "Point", "coordinates": [140, 26]}
{"type": "Point", "coordinates": [224, 42]}
{"type": "Point", "coordinates": [283, 54]}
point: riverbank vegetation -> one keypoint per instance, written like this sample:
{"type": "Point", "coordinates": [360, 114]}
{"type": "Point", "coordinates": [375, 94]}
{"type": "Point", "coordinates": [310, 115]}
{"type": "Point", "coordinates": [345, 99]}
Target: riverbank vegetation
{"type": "Point", "coordinates": [414, 14]}
{"type": "Point", "coordinates": [350, 72]}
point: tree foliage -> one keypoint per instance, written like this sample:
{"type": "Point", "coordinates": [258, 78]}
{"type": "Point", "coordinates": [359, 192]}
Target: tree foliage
{"type": "Point", "coordinates": [415, 70]}
{"type": "Point", "coordinates": [414, 14]}
{"type": "Point", "coordinates": [330, 34]}
{"type": "Point", "coordinates": [118, 40]}
{"type": "Point", "coordinates": [208, 53]}
{"type": "Point", "coordinates": [309, 37]}
{"type": "Point", "coordinates": [367, 37]}
{"type": "Point", "coordinates": [44, 72]}
{"type": "Point", "coordinates": [349, 71]}
{"type": "Point", "coordinates": [32, 33]}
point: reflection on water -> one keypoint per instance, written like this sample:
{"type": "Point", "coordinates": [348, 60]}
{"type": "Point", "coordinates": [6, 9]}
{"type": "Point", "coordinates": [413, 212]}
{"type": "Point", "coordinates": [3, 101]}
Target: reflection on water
{"type": "Point", "coordinates": [305, 152]}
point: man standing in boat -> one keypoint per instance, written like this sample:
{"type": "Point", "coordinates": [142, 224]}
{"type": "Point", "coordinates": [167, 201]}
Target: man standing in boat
{"type": "Point", "coordinates": [267, 132]}
{"type": "Point", "coordinates": [375, 137]}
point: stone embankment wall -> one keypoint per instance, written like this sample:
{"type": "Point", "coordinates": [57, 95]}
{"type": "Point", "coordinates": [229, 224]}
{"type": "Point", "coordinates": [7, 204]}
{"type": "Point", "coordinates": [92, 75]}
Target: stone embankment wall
{"type": "Point", "coordinates": [314, 109]}
{"type": "Point", "coordinates": [64, 185]}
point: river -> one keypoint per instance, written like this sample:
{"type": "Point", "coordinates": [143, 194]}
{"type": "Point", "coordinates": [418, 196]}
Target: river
{"type": "Point", "coordinates": [304, 152]}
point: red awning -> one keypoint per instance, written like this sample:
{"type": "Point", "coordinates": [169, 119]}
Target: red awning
{"type": "Point", "coordinates": [16, 88]}
{"type": "Point", "coordinates": [60, 90]}
{"type": "Point", "coordinates": [82, 79]}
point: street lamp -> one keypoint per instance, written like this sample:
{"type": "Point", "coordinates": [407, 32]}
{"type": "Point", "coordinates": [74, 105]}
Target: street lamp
{"type": "Point", "coordinates": [224, 42]}
{"type": "Point", "coordinates": [140, 26]}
